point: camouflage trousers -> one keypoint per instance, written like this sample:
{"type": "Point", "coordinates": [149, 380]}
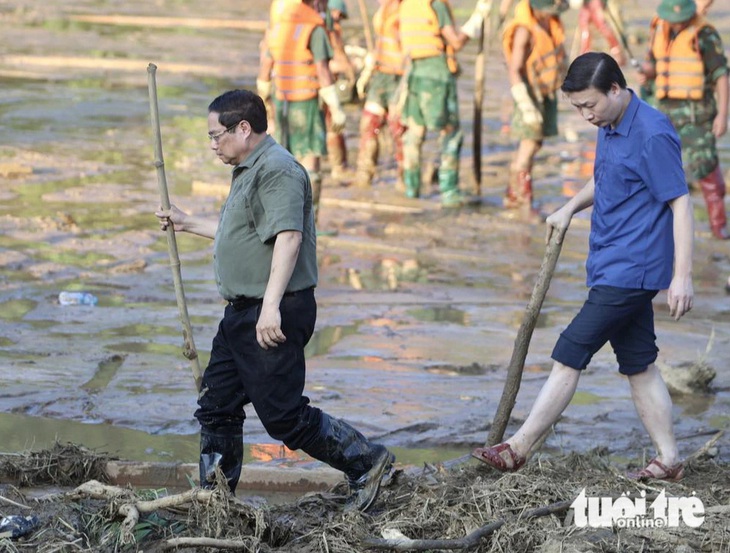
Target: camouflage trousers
{"type": "Point", "coordinates": [431, 105]}
{"type": "Point", "coordinates": [300, 127]}
{"type": "Point", "coordinates": [549, 109]}
{"type": "Point", "coordinates": [693, 122]}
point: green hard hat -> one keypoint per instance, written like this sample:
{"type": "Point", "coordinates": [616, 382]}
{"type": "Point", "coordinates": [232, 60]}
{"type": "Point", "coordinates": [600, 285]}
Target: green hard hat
{"type": "Point", "coordinates": [676, 11]}
{"type": "Point", "coordinates": [552, 6]}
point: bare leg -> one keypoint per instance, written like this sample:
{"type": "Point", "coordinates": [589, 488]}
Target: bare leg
{"type": "Point", "coordinates": [654, 407]}
{"type": "Point", "coordinates": [552, 400]}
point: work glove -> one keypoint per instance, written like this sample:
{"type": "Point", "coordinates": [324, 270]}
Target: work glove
{"type": "Point", "coordinates": [329, 97]}
{"type": "Point", "coordinates": [473, 25]}
{"type": "Point", "coordinates": [530, 114]}
{"type": "Point", "coordinates": [263, 88]}
{"type": "Point", "coordinates": [365, 75]}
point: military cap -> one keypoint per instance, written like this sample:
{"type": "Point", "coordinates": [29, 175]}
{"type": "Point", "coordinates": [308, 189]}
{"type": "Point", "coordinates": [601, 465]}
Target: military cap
{"type": "Point", "coordinates": [676, 11]}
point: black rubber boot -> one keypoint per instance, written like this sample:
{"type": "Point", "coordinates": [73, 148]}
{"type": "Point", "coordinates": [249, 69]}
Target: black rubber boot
{"type": "Point", "coordinates": [363, 462]}
{"type": "Point", "coordinates": [221, 447]}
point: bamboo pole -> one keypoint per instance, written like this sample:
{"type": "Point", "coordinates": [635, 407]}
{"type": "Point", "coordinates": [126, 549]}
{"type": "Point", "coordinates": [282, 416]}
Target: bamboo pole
{"type": "Point", "coordinates": [522, 341]}
{"type": "Point", "coordinates": [189, 350]}
{"type": "Point", "coordinates": [366, 25]}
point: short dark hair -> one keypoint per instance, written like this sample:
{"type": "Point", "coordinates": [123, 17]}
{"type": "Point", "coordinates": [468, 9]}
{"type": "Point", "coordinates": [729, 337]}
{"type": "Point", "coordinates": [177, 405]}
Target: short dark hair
{"type": "Point", "coordinates": [238, 105]}
{"type": "Point", "coordinates": [594, 69]}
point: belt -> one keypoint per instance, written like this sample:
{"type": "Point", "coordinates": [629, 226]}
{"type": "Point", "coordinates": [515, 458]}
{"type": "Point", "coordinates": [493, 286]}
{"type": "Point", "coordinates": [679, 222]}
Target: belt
{"type": "Point", "coordinates": [243, 302]}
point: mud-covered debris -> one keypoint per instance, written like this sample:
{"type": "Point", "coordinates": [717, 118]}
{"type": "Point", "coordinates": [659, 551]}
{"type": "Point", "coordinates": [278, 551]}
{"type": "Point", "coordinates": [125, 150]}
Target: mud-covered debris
{"type": "Point", "coordinates": [688, 377]}
{"type": "Point", "coordinates": [62, 465]}
{"type": "Point", "coordinates": [446, 505]}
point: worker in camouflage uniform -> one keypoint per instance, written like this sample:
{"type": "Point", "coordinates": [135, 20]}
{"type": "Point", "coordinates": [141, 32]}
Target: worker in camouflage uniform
{"type": "Point", "coordinates": [689, 70]}
{"type": "Point", "coordinates": [298, 58]}
{"type": "Point", "coordinates": [594, 11]}
{"type": "Point", "coordinates": [430, 39]}
{"type": "Point", "coordinates": [533, 45]}
{"type": "Point", "coordinates": [377, 84]}
{"type": "Point", "coordinates": [342, 72]}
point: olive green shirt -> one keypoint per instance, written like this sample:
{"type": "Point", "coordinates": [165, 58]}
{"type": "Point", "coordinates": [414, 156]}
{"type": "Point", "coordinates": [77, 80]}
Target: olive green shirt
{"type": "Point", "coordinates": [270, 193]}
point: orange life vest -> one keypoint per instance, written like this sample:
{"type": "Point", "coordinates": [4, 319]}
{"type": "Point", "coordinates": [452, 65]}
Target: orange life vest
{"type": "Point", "coordinates": [680, 70]}
{"type": "Point", "coordinates": [545, 63]}
{"type": "Point", "coordinates": [420, 34]}
{"type": "Point", "coordinates": [295, 74]}
{"type": "Point", "coordinates": [388, 54]}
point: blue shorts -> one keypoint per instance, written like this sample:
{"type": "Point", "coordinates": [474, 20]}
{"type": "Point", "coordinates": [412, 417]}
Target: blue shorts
{"type": "Point", "coordinates": [622, 316]}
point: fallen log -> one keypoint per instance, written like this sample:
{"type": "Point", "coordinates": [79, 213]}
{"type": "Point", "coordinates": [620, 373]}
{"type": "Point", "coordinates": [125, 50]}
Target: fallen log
{"type": "Point", "coordinates": [213, 543]}
{"type": "Point", "coordinates": [112, 64]}
{"type": "Point", "coordinates": [167, 22]}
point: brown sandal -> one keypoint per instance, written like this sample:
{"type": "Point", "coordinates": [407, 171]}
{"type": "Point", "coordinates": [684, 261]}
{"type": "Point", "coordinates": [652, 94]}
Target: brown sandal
{"type": "Point", "coordinates": [493, 457]}
{"type": "Point", "coordinates": [670, 474]}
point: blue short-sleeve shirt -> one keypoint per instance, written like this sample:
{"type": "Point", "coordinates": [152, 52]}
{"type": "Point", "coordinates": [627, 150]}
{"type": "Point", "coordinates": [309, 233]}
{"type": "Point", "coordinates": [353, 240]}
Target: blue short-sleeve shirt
{"type": "Point", "coordinates": [638, 170]}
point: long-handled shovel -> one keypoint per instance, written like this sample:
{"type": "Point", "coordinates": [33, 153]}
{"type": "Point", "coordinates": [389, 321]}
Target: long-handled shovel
{"type": "Point", "coordinates": [522, 341]}
{"type": "Point", "coordinates": [477, 121]}
{"type": "Point", "coordinates": [369, 42]}
{"type": "Point", "coordinates": [189, 350]}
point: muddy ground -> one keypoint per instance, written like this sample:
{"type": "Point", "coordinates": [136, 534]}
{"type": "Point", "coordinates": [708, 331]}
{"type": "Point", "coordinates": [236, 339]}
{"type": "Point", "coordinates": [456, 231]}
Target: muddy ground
{"type": "Point", "coordinates": [418, 307]}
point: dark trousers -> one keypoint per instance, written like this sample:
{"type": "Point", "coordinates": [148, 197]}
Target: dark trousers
{"type": "Point", "coordinates": [240, 372]}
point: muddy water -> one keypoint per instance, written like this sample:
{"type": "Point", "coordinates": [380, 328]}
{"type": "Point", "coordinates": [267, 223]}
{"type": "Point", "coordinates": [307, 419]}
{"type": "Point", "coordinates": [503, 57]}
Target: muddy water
{"type": "Point", "coordinates": [418, 307]}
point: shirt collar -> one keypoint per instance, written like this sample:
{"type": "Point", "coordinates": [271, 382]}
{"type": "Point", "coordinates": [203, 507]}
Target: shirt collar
{"type": "Point", "coordinates": [624, 125]}
{"type": "Point", "coordinates": [257, 152]}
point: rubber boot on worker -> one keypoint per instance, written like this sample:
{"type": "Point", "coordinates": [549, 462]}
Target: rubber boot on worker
{"type": "Point", "coordinates": [367, 157]}
{"type": "Point", "coordinates": [220, 448]}
{"type": "Point", "coordinates": [412, 181]}
{"type": "Point", "coordinates": [364, 463]}
{"type": "Point", "coordinates": [337, 152]}
{"type": "Point", "coordinates": [519, 190]}
{"type": "Point", "coordinates": [713, 190]}
{"type": "Point", "coordinates": [397, 129]}
{"type": "Point", "coordinates": [451, 196]}
{"type": "Point", "coordinates": [400, 183]}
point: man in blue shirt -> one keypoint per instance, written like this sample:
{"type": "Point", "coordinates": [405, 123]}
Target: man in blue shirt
{"type": "Point", "coordinates": [640, 243]}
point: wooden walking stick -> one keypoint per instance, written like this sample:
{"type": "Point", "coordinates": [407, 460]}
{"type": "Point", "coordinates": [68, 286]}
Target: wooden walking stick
{"type": "Point", "coordinates": [522, 341]}
{"type": "Point", "coordinates": [488, 27]}
{"type": "Point", "coordinates": [189, 350]}
{"type": "Point", "coordinates": [366, 25]}
{"type": "Point", "coordinates": [477, 121]}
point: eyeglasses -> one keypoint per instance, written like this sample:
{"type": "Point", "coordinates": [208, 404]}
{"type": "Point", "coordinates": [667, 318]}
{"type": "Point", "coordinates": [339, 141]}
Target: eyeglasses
{"type": "Point", "coordinates": [217, 136]}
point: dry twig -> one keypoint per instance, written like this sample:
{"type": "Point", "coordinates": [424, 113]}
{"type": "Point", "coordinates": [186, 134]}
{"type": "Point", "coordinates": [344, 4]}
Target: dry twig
{"type": "Point", "coordinates": [468, 541]}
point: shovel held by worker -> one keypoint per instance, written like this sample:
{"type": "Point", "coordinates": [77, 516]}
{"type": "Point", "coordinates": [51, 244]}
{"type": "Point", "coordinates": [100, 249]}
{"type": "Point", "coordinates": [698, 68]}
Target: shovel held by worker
{"type": "Point", "coordinates": [189, 350]}
{"type": "Point", "coordinates": [524, 334]}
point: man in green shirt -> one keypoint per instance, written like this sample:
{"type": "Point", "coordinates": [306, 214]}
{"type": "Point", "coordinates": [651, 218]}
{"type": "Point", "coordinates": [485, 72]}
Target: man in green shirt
{"type": "Point", "coordinates": [266, 268]}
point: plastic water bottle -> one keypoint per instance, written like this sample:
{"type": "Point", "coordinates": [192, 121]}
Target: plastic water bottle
{"type": "Point", "coordinates": [77, 298]}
